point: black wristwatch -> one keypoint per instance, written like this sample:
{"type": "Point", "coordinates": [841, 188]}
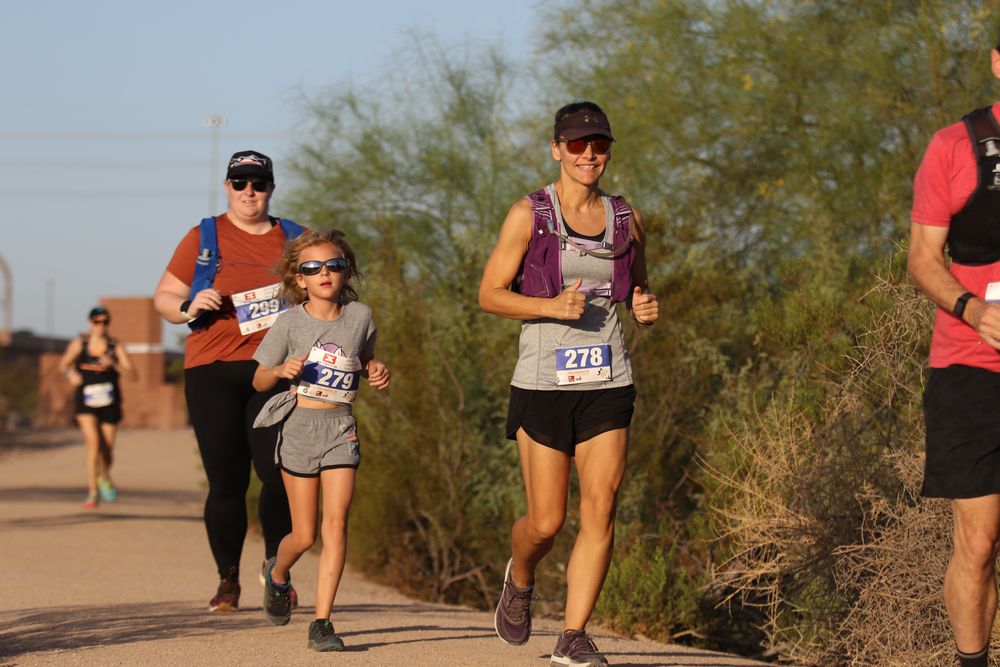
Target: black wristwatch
{"type": "Point", "coordinates": [184, 310]}
{"type": "Point", "coordinates": [961, 303]}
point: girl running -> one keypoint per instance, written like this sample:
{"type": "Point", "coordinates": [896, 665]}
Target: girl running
{"type": "Point", "coordinates": [565, 256]}
{"type": "Point", "coordinates": [323, 345]}
{"type": "Point", "coordinates": [91, 363]}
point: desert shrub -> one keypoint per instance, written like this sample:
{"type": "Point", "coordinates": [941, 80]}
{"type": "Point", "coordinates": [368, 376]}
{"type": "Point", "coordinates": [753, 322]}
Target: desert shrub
{"type": "Point", "coordinates": [821, 510]}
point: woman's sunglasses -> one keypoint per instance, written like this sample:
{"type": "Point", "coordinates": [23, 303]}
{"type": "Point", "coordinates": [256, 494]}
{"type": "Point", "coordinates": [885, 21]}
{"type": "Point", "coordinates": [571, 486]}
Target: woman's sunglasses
{"type": "Point", "coordinates": [100, 322]}
{"type": "Point", "coordinates": [258, 184]}
{"type": "Point", "coordinates": [335, 265]}
{"type": "Point", "coordinates": [578, 146]}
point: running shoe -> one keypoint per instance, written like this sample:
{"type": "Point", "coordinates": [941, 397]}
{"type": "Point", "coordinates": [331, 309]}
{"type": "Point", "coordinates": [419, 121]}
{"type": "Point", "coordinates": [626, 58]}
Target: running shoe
{"type": "Point", "coordinates": [107, 490]}
{"type": "Point", "coordinates": [575, 648]}
{"type": "Point", "coordinates": [277, 601]}
{"type": "Point", "coordinates": [227, 597]}
{"type": "Point", "coordinates": [90, 502]}
{"type": "Point", "coordinates": [292, 595]}
{"type": "Point", "coordinates": [323, 637]}
{"type": "Point", "coordinates": [512, 619]}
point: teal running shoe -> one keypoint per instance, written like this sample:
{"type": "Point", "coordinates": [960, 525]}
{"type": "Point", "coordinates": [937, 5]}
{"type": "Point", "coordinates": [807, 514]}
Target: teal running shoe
{"type": "Point", "coordinates": [107, 490]}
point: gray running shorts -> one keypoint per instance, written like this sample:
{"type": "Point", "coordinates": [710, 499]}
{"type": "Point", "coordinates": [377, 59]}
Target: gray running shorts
{"type": "Point", "coordinates": [313, 440]}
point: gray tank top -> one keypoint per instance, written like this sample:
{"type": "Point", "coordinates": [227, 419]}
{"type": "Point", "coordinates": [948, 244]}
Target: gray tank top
{"type": "Point", "coordinates": [579, 348]}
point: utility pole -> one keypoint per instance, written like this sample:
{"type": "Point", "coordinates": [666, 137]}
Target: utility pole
{"type": "Point", "coordinates": [50, 314]}
{"type": "Point", "coordinates": [7, 329]}
{"type": "Point", "coordinates": [213, 123]}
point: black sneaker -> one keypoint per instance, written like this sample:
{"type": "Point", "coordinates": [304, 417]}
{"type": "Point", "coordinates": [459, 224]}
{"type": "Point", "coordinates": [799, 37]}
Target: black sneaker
{"type": "Point", "coordinates": [575, 648]}
{"type": "Point", "coordinates": [323, 637]}
{"type": "Point", "coordinates": [227, 597]}
{"type": "Point", "coordinates": [512, 619]}
{"type": "Point", "coordinates": [277, 598]}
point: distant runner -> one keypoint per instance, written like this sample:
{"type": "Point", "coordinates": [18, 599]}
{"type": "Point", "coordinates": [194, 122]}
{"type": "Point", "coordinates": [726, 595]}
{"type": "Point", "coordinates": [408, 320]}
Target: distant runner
{"type": "Point", "coordinates": [92, 364]}
{"type": "Point", "coordinates": [325, 344]}
{"type": "Point", "coordinates": [565, 256]}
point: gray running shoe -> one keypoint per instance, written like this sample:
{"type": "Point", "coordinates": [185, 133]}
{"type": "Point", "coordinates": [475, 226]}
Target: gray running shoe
{"type": "Point", "coordinates": [277, 600]}
{"type": "Point", "coordinates": [575, 648]}
{"type": "Point", "coordinates": [323, 637]}
{"type": "Point", "coordinates": [512, 619]}
{"type": "Point", "coordinates": [292, 595]}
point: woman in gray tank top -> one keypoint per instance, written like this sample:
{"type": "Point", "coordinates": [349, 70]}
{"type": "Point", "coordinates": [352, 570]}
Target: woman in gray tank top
{"type": "Point", "coordinates": [565, 256]}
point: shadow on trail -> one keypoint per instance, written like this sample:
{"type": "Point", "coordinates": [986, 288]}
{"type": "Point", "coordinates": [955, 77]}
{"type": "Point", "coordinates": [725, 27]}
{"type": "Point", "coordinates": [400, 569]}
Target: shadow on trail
{"type": "Point", "coordinates": [413, 608]}
{"type": "Point", "coordinates": [75, 494]}
{"type": "Point", "coordinates": [675, 659]}
{"type": "Point", "coordinates": [38, 440]}
{"type": "Point", "coordinates": [91, 517]}
{"type": "Point", "coordinates": [440, 632]}
{"type": "Point", "coordinates": [81, 627]}
{"type": "Point", "coordinates": [477, 632]}
{"type": "Point", "coordinates": [73, 628]}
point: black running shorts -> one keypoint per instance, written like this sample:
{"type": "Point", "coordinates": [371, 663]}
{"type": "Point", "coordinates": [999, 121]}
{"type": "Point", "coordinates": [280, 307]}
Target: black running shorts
{"type": "Point", "coordinates": [109, 414]}
{"type": "Point", "coordinates": [563, 419]}
{"type": "Point", "coordinates": [962, 416]}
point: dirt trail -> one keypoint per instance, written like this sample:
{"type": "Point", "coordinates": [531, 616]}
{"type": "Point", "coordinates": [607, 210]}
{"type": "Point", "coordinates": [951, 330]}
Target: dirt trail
{"type": "Point", "coordinates": [129, 583]}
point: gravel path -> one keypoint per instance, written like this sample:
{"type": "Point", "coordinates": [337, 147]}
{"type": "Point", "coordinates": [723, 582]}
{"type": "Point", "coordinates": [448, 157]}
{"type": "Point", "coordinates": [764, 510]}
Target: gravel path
{"type": "Point", "coordinates": [129, 584]}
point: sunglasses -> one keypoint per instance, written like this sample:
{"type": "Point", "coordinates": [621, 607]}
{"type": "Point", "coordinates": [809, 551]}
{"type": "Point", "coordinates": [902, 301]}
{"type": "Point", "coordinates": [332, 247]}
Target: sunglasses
{"type": "Point", "coordinates": [578, 146]}
{"type": "Point", "coordinates": [334, 265]}
{"type": "Point", "coordinates": [100, 322]}
{"type": "Point", "coordinates": [258, 184]}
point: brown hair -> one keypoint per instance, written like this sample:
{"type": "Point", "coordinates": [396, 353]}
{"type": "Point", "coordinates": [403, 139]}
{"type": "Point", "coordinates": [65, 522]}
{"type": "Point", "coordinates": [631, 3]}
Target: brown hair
{"type": "Point", "coordinates": [288, 267]}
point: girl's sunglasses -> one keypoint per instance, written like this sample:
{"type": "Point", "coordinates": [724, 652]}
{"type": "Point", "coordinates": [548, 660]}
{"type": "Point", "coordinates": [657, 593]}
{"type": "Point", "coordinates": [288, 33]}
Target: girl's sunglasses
{"type": "Point", "coordinates": [258, 184]}
{"type": "Point", "coordinates": [334, 265]}
{"type": "Point", "coordinates": [578, 146]}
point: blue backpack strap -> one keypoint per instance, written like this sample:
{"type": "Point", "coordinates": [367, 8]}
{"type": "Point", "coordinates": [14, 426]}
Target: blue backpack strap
{"type": "Point", "coordinates": [207, 262]}
{"type": "Point", "coordinates": [205, 265]}
{"type": "Point", "coordinates": [291, 228]}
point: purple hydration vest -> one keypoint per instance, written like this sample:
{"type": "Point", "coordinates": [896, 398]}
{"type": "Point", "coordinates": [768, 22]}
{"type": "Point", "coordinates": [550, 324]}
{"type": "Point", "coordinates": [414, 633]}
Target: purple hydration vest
{"type": "Point", "coordinates": [540, 273]}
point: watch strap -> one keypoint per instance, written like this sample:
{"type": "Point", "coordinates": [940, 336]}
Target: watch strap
{"type": "Point", "coordinates": [960, 304]}
{"type": "Point", "coordinates": [184, 310]}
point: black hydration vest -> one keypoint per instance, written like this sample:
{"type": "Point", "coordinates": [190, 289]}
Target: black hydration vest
{"type": "Point", "coordinates": [974, 234]}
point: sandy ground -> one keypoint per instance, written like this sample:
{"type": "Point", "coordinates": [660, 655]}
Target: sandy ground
{"type": "Point", "coordinates": [129, 584]}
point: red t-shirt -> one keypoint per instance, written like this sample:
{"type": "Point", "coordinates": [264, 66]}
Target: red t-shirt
{"type": "Point", "coordinates": [945, 181]}
{"type": "Point", "coordinates": [246, 261]}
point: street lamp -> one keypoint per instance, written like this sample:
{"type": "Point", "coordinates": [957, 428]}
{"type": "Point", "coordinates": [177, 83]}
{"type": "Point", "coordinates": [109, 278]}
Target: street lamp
{"type": "Point", "coordinates": [214, 122]}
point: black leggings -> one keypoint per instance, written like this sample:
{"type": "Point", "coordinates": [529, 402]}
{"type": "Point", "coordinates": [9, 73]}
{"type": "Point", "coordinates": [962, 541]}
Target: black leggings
{"type": "Point", "coordinates": [222, 405]}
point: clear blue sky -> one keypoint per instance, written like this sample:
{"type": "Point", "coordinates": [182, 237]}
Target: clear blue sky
{"type": "Point", "coordinates": [104, 162]}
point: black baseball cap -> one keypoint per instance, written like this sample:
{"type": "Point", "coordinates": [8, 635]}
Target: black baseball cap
{"type": "Point", "coordinates": [98, 310]}
{"type": "Point", "coordinates": [584, 123]}
{"type": "Point", "coordinates": [250, 164]}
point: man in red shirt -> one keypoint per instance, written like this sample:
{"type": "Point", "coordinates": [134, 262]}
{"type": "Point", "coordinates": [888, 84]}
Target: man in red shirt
{"type": "Point", "coordinates": [956, 203]}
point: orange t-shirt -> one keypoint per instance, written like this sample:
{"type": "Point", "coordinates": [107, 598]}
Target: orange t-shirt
{"type": "Point", "coordinates": [246, 261]}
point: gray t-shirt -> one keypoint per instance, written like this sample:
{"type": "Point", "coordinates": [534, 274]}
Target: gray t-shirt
{"type": "Point", "coordinates": [597, 335]}
{"type": "Point", "coordinates": [349, 340]}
